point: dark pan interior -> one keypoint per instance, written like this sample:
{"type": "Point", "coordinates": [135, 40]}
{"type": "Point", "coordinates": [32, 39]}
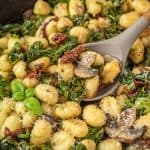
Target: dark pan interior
{"type": "Point", "coordinates": [12, 10]}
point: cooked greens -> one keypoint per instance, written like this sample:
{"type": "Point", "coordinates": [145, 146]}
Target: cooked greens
{"type": "Point", "coordinates": [72, 90]}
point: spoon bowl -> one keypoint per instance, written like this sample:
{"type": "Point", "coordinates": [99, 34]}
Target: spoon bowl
{"type": "Point", "coordinates": [118, 47]}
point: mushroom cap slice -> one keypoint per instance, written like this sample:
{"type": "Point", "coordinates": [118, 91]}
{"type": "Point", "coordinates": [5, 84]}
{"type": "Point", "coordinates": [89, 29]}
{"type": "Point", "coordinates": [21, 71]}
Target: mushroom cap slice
{"type": "Point", "coordinates": [127, 118]}
{"type": "Point", "coordinates": [126, 135]}
{"type": "Point", "coordinates": [85, 72]}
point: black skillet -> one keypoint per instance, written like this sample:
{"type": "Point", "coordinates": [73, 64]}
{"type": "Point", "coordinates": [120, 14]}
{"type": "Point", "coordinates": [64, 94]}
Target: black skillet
{"type": "Point", "coordinates": [12, 10]}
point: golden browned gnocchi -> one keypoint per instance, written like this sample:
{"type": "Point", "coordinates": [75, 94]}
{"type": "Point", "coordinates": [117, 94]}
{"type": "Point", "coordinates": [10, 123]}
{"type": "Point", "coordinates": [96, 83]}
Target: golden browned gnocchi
{"type": "Point", "coordinates": [137, 52]}
{"type": "Point", "coordinates": [65, 71]}
{"type": "Point", "coordinates": [110, 71]}
{"type": "Point", "coordinates": [12, 122]}
{"type": "Point", "coordinates": [42, 62]}
{"type": "Point", "coordinates": [67, 110]}
{"type": "Point", "coordinates": [62, 140]}
{"type": "Point", "coordinates": [94, 116]}
{"type": "Point", "coordinates": [110, 105]}
{"type": "Point", "coordinates": [42, 8]}
{"type": "Point", "coordinates": [41, 132]}
{"type": "Point", "coordinates": [3, 42]}
{"type": "Point", "coordinates": [47, 109]}
{"type": "Point", "coordinates": [30, 82]}
{"type": "Point", "coordinates": [76, 7]}
{"type": "Point", "coordinates": [47, 93]}
{"type": "Point", "coordinates": [64, 23]}
{"type": "Point", "coordinates": [92, 85]}
{"type": "Point", "coordinates": [89, 144]}
{"type": "Point", "coordinates": [77, 128]}
{"type": "Point", "coordinates": [19, 69]}
{"type": "Point", "coordinates": [61, 10]}
{"type": "Point", "coordinates": [141, 5]}
{"type": "Point", "coordinates": [20, 108]}
{"type": "Point", "coordinates": [110, 144]}
{"type": "Point", "coordinates": [28, 120]}
{"type": "Point", "coordinates": [81, 33]}
{"type": "Point", "coordinates": [128, 19]}
{"type": "Point", "coordinates": [93, 7]}
{"type": "Point", "coordinates": [5, 65]}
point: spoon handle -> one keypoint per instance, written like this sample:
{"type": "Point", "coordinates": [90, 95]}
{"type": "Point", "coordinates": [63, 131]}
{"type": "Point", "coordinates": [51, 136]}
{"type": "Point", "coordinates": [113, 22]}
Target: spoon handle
{"type": "Point", "coordinates": [128, 37]}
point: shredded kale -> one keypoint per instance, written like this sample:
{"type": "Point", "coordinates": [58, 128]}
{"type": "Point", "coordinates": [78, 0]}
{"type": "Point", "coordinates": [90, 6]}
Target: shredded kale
{"type": "Point", "coordinates": [95, 36]}
{"type": "Point", "coordinates": [11, 28]}
{"type": "Point", "coordinates": [128, 77]}
{"type": "Point", "coordinates": [113, 13]}
{"type": "Point", "coordinates": [147, 57]}
{"type": "Point", "coordinates": [78, 146]}
{"type": "Point", "coordinates": [11, 144]}
{"type": "Point", "coordinates": [37, 50]}
{"type": "Point", "coordinates": [95, 134]}
{"type": "Point", "coordinates": [79, 20]}
{"type": "Point", "coordinates": [4, 88]}
{"type": "Point", "coordinates": [15, 54]}
{"type": "Point", "coordinates": [73, 90]}
{"type": "Point", "coordinates": [48, 78]}
{"type": "Point", "coordinates": [29, 27]}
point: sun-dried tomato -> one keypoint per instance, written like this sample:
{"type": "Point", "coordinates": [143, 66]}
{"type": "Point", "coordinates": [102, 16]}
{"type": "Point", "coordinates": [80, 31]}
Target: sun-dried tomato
{"type": "Point", "coordinates": [72, 56]}
{"type": "Point", "coordinates": [59, 38]}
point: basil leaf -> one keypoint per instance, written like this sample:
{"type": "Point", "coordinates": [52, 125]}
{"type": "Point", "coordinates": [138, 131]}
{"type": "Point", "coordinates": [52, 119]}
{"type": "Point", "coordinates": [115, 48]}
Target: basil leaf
{"type": "Point", "coordinates": [33, 105]}
{"type": "Point", "coordinates": [18, 96]}
{"type": "Point", "coordinates": [30, 92]}
{"type": "Point", "coordinates": [17, 86]}
{"type": "Point", "coordinates": [25, 135]}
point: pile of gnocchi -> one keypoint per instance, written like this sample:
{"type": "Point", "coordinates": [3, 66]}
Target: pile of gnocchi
{"type": "Point", "coordinates": [41, 99]}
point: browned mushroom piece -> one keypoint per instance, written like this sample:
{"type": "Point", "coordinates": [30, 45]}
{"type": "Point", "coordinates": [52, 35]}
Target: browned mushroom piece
{"type": "Point", "coordinates": [88, 59]}
{"type": "Point", "coordinates": [130, 135]}
{"type": "Point", "coordinates": [127, 118]}
{"type": "Point", "coordinates": [85, 72]}
{"type": "Point", "coordinates": [122, 128]}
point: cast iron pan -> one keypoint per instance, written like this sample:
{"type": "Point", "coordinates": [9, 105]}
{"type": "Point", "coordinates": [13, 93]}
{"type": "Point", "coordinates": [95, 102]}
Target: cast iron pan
{"type": "Point", "coordinates": [12, 10]}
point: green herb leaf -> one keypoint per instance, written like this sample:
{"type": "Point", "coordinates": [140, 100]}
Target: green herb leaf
{"type": "Point", "coordinates": [17, 86]}
{"type": "Point", "coordinates": [95, 134]}
{"type": "Point", "coordinates": [15, 54]}
{"type": "Point", "coordinates": [33, 105]}
{"type": "Point", "coordinates": [29, 92]}
{"type": "Point", "coordinates": [79, 20]}
{"type": "Point", "coordinates": [4, 88]}
{"type": "Point", "coordinates": [18, 96]}
{"type": "Point", "coordinates": [78, 146]}
{"type": "Point", "coordinates": [73, 90]}
{"type": "Point", "coordinates": [25, 136]}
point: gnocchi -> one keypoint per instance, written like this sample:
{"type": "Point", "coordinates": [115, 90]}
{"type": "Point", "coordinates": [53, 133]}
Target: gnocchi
{"type": "Point", "coordinates": [94, 116]}
{"type": "Point", "coordinates": [41, 132]}
{"type": "Point", "coordinates": [67, 110]}
{"type": "Point", "coordinates": [76, 127]}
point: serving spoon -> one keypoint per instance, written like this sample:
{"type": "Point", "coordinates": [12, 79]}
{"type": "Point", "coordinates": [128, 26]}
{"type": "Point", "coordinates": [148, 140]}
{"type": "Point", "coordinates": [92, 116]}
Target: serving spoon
{"type": "Point", "coordinates": [118, 47]}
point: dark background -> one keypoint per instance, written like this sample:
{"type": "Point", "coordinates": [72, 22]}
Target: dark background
{"type": "Point", "coordinates": [12, 10]}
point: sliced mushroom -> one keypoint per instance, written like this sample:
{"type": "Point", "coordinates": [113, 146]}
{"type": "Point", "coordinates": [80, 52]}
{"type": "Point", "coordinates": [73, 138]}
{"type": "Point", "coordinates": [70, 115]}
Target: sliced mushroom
{"type": "Point", "coordinates": [85, 72]}
{"type": "Point", "coordinates": [88, 59]}
{"type": "Point", "coordinates": [126, 135]}
{"type": "Point", "coordinates": [130, 135]}
{"type": "Point", "coordinates": [121, 128]}
{"type": "Point", "coordinates": [127, 118]}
